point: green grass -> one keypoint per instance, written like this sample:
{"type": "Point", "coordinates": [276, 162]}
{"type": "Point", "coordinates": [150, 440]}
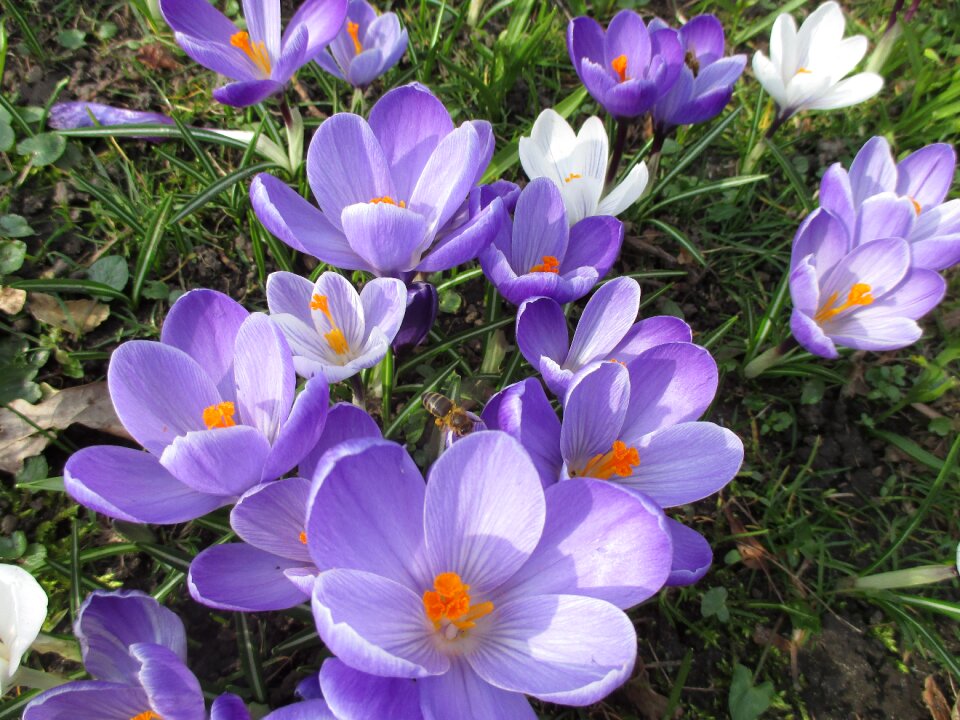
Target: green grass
{"type": "Point", "coordinates": [844, 471]}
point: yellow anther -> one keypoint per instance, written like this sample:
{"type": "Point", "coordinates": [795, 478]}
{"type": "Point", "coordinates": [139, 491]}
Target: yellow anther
{"type": "Point", "coordinates": [917, 208]}
{"type": "Point", "coordinates": [353, 30]}
{"type": "Point", "coordinates": [147, 715]}
{"type": "Point", "coordinates": [619, 65]}
{"type": "Point", "coordinates": [386, 199]}
{"type": "Point", "coordinates": [572, 176]}
{"type": "Point", "coordinates": [621, 460]}
{"type": "Point", "coordinates": [859, 295]}
{"type": "Point", "coordinates": [303, 537]}
{"type": "Point", "coordinates": [257, 52]}
{"type": "Point", "coordinates": [803, 71]}
{"type": "Point", "coordinates": [550, 264]}
{"type": "Point", "coordinates": [219, 416]}
{"type": "Point", "coordinates": [449, 605]}
{"type": "Point", "coordinates": [336, 341]}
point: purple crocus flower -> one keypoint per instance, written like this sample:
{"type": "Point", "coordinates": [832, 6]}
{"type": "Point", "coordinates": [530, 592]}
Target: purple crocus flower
{"type": "Point", "coordinates": [137, 651]}
{"type": "Point", "coordinates": [259, 59]}
{"type": "Point", "coordinates": [390, 191]}
{"type": "Point", "coordinates": [539, 255]}
{"type": "Point", "coordinates": [635, 427]}
{"type": "Point", "coordinates": [334, 331]}
{"type": "Point", "coordinates": [861, 291]}
{"type": "Point", "coordinates": [70, 115]}
{"type": "Point", "coordinates": [366, 47]}
{"type": "Point", "coordinates": [212, 403]}
{"type": "Point", "coordinates": [606, 332]}
{"type": "Point", "coordinates": [272, 569]}
{"type": "Point", "coordinates": [480, 584]}
{"type": "Point", "coordinates": [627, 68]}
{"type": "Point", "coordinates": [923, 178]}
{"type": "Point", "coordinates": [705, 83]}
{"type": "Point", "coordinates": [423, 302]}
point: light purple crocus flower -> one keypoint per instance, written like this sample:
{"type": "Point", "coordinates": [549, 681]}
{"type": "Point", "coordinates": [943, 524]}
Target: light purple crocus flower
{"type": "Point", "coordinates": [923, 178]}
{"type": "Point", "coordinates": [391, 191]}
{"type": "Point", "coordinates": [137, 651]}
{"type": "Point", "coordinates": [334, 331]}
{"type": "Point", "coordinates": [705, 83]}
{"type": "Point", "coordinates": [605, 332]}
{"type": "Point", "coordinates": [634, 427]}
{"type": "Point", "coordinates": [539, 255]}
{"type": "Point", "coordinates": [213, 404]}
{"type": "Point", "coordinates": [70, 115]}
{"type": "Point", "coordinates": [259, 59]}
{"type": "Point", "coordinates": [366, 47]}
{"type": "Point", "coordinates": [272, 569]}
{"type": "Point", "coordinates": [479, 584]}
{"type": "Point", "coordinates": [627, 68]}
{"type": "Point", "coordinates": [859, 291]}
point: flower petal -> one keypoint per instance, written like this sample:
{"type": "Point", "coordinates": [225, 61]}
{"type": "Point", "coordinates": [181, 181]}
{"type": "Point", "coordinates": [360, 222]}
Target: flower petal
{"type": "Point", "coordinates": [375, 624]}
{"type": "Point", "coordinates": [133, 486]}
{"type": "Point", "coordinates": [542, 330]}
{"type": "Point", "coordinates": [606, 319]}
{"type": "Point", "coordinates": [461, 693]}
{"type": "Point", "coordinates": [626, 192]}
{"type": "Point", "coordinates": [390, 239]}
{"type": "Point", "coordinates": [273, 517]}
{"type": "Point", "coordinates": [648, 333]}
{"type": "Point", "coordinates": [224, 461]}
{"type": "Point", "coordinates": [322, 19]}
{"type": "Point", "coordinates": [594, 243]}
{"type": "Point", "coordinates": [593, 413]}
{"type": "Point", "coordinates": [159, 392]}
{"type": "Point", "coordinates": [240, 577]}
{"type": "Point", "coordinates": [852, 91]}
{"type": "Point", "coordinates": [359, 480]}
{"type": "Point", "coordinates": [170, 686]}
{"type": "Point", "coordinates": [384, 302]}
{"type": "Point", "coordinates": [359, 696]}
{"type": "Point", "coordinates": [683, 463]}
{"type": "Point", "coordinates": [301, 430]}
{"type": "Point", "coordinates": [204, 324]}
{"type": "Point", "coordinates": [246, 92]}
{"type": "Point", "coordinates": [692, 555]}
{"type": "Point", "coordinates": [669, 384]}
{"type": "Point", "coordinates": [300, 225]}
{"type": "Point", "coordinates": [197, 18]}
{"type": "Point", "coordinates": [229, 707]}
{"type": "Point", "coordinates": [264, 374]}
{"type": "Point", "coordinates": [24, 606]}
{"type": "Point", "coordinates": [447, 177]}
{"type": "Point", "coordinates": [484, 510]}
{"type": "Point", "coordinates": [599, 541]}
{"type": "Point", "coordinates": [345, 421]}
{"type": "Point", "coordinates": [560, 648]}
{"type": "Point", "coordinates": [926, 175]}
{"type": "Point", "coordinates": [88, 700]}
{"type": "Point", "coordinates": [109, 623]}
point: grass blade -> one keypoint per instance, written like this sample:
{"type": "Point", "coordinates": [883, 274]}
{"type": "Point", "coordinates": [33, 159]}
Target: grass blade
{"type": "Point", "coordinates": [65, 285]}
{"type": "Point", "coordinates": [148, 251]}
{"type": "Point", "coordinates": [250, 658]}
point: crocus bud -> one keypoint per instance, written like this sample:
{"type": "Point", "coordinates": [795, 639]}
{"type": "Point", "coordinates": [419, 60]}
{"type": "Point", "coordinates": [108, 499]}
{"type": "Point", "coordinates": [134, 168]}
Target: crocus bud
{"type": "Point", "coordinates": [23, 608]}
{"type": "Point", "coordinates": [422, 304]}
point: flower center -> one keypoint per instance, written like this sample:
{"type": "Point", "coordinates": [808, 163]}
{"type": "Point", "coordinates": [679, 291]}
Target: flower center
{"type": "Point", "coordinates": [572, 176]}
{"type": "Point", "coordinates": [550, 264]}
{"type": "Point", "coordinates": [218, 416]}
{"type": "Point", "coordinates": [859, 295]}
{"type": "Point", "coordinates": [621, 460]}
{"type": "Point", "coordinates": [386, 199]}
{"type": "Point", "coordinates": [335, 338]}
{"type": "Point", "coordinates": [449, 608]}
{"type": "Point", "coordinates": [147, 715]}
{"type": "Point", "coordinates": [353, 30]}
{"type": "Point", "coordinates": [257, 52]}
{"type": "Point", "coordinates": [619, 65]}
{"type": "Point", "coordinates": [917, 207]}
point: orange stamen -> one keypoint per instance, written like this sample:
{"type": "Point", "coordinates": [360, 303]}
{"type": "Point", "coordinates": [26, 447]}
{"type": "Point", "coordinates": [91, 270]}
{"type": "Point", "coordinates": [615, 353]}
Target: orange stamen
{"type": "Point", "coordinates": [257, 52]}
{"type": "Point", "coordinates": [147, 715]}
{"type": "Point", "coordinates": [859, 295]}
{"type": "Point", "coordinates": [450, 601]}
{"type": "Point", "coordinates": [619, 362]}
{"type": "Point", "coordinates": [803, 71]}
{"type": "Point", "coordinates": [621, 460]}
{"type": "Point", "coordinates": [619, 65]}
{"type": "Point", "coordinates": [916, 206]}
{"type": "Point", "coordinates": [336, 341]}
{"type": "Point", "coordinates": [353, 30]}
{"type": "Point", "coordinates": [572, 176]}
{"type": "Point", "coordinates": [388, 200]}
{"type": "Point", "coordinates": [319, 302]}
{"type": "Point", "coordinates": [303, 537]}
{"type": "Point", "coordinates": [219, 415]}
{"type": "Point", "coordinates": [550, 264]}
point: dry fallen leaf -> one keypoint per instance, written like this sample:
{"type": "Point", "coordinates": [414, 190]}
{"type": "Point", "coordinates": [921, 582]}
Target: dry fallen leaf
{"type": "Point", "coordinates": [74, 316]}
{"type": "Point", "coordinates": [12, 300]}
{"type": "Point", "coordinates": [752, 553]}
{"type": "Point", "coordinates": [157, 57]}
{"type": "Point", "coordinates": [87, 405]}
{"type": "Point", "coordinates": [934, 700]}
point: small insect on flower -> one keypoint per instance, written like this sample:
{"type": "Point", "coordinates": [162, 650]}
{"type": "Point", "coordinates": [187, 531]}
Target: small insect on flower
{"type": "Point", "coordinates": [448, 414]}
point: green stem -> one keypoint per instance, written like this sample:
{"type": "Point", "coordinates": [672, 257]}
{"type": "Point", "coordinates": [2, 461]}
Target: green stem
{"type": "Point", "coordinates": [925, 506]}
{"type": "Point", "coordinates": [386, 385]}
{"type": "Point", "coordinates": [619, 144]}
{"type": "Point", "coordinates": [770, 358]}
{"type": "Point", "coordinates": [908, 577]}
{"type": "Point", "coordinates": [359, 394]}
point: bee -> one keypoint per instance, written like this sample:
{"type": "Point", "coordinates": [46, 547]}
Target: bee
{"type": "Point", "coordinates": [691, 61]}
{"type": "Point", "coordinates": [448, 414]}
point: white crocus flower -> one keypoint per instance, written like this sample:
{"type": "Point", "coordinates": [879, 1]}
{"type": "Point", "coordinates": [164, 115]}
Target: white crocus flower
{"type": "Point", "coordinates": [806, 68]}
{"type": "Point", "coordinates": [577, 164]}
{"type": "Point", "coordinates": [23, 608]}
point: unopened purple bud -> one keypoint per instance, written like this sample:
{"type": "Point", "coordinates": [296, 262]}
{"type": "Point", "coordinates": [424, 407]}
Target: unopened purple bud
{"type": "Point", "coordinates": [422, 304]}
